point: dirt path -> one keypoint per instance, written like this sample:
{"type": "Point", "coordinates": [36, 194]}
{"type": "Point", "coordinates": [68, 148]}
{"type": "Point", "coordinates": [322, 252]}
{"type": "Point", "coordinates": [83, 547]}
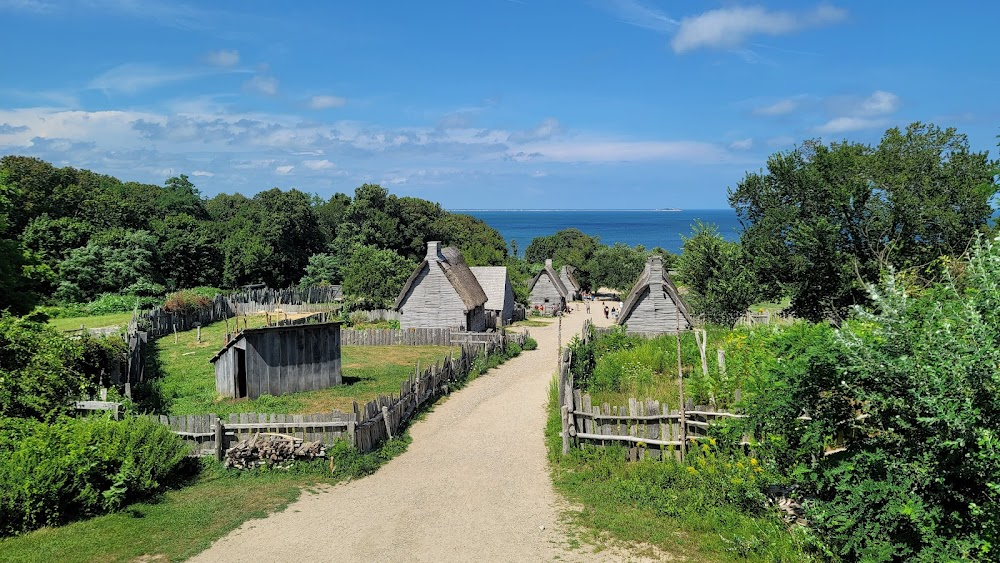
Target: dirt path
{"type": "Point", "coordinates": [474, 484]}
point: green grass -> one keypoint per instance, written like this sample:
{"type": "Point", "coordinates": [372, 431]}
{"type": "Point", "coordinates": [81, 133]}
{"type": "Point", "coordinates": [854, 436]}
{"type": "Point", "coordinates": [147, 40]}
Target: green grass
{"type": "Point", "coordinates": [532, 323]}
{"type": "Point", "coordinates": [679, 512]}
{"type": "Point", "coordinates": [97, 321]}
{"type": "Point", "coordinates": [186, 380]}
{"type": "Point", "coordinates": [185, 521]}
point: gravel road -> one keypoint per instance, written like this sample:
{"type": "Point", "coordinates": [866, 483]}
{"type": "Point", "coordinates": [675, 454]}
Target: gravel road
{"type": "Point", "coordinates": [473, 485]}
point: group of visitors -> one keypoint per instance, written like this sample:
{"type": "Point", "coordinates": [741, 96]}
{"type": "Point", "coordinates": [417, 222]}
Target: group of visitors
{"type": "Point", "coordinates": [611, 313]}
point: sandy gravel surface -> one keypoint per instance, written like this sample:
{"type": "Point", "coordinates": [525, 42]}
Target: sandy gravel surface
{"type": "Point", "coordinates": [473, 485]}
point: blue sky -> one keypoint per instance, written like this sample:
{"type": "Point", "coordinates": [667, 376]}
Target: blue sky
{"type": "Point", "coordinates": [484, 104]}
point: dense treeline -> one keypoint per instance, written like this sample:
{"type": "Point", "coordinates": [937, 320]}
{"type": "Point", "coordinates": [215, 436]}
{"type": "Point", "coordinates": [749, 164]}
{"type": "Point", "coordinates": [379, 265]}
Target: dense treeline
{"type": "Point", "coordinates": [71, 235]}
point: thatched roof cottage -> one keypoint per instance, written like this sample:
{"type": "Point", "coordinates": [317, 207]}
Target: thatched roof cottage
{"type": "Point", "coordinates": [546, 291]}
{"type": "Point", "coordinates": [499, 291]}
{"type": "Point", "coordinates": [442, 292]}
{"type": "Point", "coordinates": [276, 360]}
{"type": "Point", "coordinates": [569, 281]}
{"type": "Point", "coordinates": [654, 306]}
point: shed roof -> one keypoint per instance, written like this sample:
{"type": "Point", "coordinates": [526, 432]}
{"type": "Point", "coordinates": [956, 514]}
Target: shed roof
{"type": "Point", "coordinates": [281, 328]}
{"type": "Point", "coordinates": [568, 272]}
{"type": "Point", "coordinates": [644, 281]}
{"type": "Point", "coordinates": [458, 273]}
{"type": "Point", "coordinates": [549, 271]}
{"type": "Point", "coordinates": [494, 282]}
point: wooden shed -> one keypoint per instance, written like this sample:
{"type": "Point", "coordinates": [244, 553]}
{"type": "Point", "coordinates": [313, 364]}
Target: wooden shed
{"type": "Point", "coordinates": [546, 291]}
{"type": "Point", "coordinates": [442, 293]}
{"type": "Point", "coordinates": [499, 291]}
{"type": "Point", "coordinates": [654, 306]}
{"type": "Point", "coordinates": [277, 360]}
{"type": "Point", "coordinates": [569, 281]}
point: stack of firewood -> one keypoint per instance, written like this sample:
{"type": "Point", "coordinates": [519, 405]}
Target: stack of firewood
{"type": "Point", "coordinates": [274, 450]}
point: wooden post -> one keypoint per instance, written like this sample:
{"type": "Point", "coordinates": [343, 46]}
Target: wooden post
{"type": "Point", "coordinates": [352, 432]}
{"type": "Point", "coordinates": [220, 437]}
{"type": "Point", "coordinates": [199, 333]}
{"type": "Point", "coordinates": [175, 333]}
{"type": "Point", "coordinates": [385, 419]}
{"type": "Point", "coordinates": [564, 411]}
{"type": "Point", "coordinates": [680, 388]}
{"type": "Point", "coordinates": [722, 361]}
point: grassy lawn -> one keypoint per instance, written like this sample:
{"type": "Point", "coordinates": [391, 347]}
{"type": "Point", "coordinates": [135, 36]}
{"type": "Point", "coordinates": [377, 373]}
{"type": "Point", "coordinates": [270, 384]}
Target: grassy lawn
{"type": "Point", "coordinates": [98, 321]}
{"type": "Point", "coordinates": [186, 382]}
{"type": "Point", "coordinates": [533, 322]}
{"type": "Point", "coordinates": [185, 521]}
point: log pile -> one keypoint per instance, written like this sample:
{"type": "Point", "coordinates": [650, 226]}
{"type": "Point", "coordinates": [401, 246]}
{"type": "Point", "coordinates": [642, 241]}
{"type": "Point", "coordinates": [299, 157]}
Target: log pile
{"type": "Point", "coordinates": [272, 450]}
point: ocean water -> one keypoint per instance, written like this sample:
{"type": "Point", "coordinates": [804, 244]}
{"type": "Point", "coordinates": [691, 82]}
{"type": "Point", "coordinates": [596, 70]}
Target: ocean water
{"type": "Point", "coordinates": [648, 228]}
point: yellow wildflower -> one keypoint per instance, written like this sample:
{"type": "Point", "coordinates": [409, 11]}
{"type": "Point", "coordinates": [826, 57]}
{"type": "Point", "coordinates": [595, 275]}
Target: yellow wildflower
{"type": "Point", "coordinates": [711, 441]}
{"type": "Point", "coordinates": [753, 461]}
{"type": "Point", "coordinates": [692, 470]}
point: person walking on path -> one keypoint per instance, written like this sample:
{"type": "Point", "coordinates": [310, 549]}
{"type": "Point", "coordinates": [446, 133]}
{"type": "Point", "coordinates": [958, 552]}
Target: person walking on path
{"type": "Point", "coordinates": [606, 310]}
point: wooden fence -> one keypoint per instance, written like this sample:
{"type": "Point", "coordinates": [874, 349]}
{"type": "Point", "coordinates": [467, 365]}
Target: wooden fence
{"type": "Point", "coordinates": [208, 434]}
{"type": "Point", "coordinates": [368, 427]}
{"type": "Point", "coordinates": [645, 427]}
{"type": "Point", "coordinates": [396, 337]}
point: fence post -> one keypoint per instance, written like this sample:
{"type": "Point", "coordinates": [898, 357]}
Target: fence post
{"type": "Point", "coordinates": [385, 418]}
{"type": "Point", "coordinates": [680, 387]}
{"type": "Point", "coordinates": [220, 437]}
{"type": "Point", "coordinates": [564, 412]}
{"type": "Point", "coordinates": [352, 432]}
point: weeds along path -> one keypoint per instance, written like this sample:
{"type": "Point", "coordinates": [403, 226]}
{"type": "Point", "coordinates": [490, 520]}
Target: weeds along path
{"type": "Point", "coordinates": [473, 485]}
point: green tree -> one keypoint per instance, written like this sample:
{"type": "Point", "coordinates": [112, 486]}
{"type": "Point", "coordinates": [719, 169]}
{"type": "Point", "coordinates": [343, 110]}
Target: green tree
{"type": "Point", "coordinates": [566, 247]}
{"type": "Point", "coordinates": [374, 277]}
{"type": "Point", "coordinates": [118, 261]}
{"type": "Point", "coordinates": [616, 267]}
{"type": "Point", "coordinates": [330, 214]}
{"type": "Point", "coordinates": [15, 290]}
{"type": "Point", "coordinates": [190, 256]}
{"type": "Point", "coordinates": [322, 269]}
{"type": "Point", "coordinates": [824, 220]}
{"type": "Point", "coordinates": [715, 271]}
{"type": "Point", "coordinates": [479, 243]}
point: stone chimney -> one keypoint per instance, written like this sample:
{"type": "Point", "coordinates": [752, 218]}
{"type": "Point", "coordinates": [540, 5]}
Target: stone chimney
{"type": "Point", "coordinates": [434, 250]}
{"type": "Point", "coordinates": [548, 262]}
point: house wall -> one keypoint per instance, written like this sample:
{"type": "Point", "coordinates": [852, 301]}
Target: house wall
{"type": "Point", "coordinates": [432, 302]}
{"type": "Point", "coordinates": [289, 361]}
{"type": "Point", "coordinates": [574, 294]}
{"type": "Point", "coordinates": [477, 320]}
{"type": "Point", "coordinates": [508, 300]}
{"type": "Point", "coordinates": [655, 312]}
{"type": "Point", "coordinates": [545, 289]}
{"type": "Point", "coordinates": [225, 371]}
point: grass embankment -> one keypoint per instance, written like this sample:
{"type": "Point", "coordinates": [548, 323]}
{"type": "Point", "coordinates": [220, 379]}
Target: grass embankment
{"type": "Point", "coordinates": [710, 508]}
{"type": "Point", "coordinates": [185, 521]}
{"type": "Point", "coordinates": [185, 380]}
{"type": "Point", "coordinates": [96, 321]}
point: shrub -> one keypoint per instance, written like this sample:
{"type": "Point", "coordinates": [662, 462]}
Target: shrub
{"type": "Point", "coordinates": [73, 468]}
{"type": "Point", "coordinates": [512, 350]}
{"type": "Point", "coordinates": [530, 344]}
{"type": "Point", "coordinates": [620, 371]}
{"type": "Point", "coordinates": [186, 302]}
{"type": "Point", "coordinates": [110, 303]}
{"type": "Point", "coordinates": [358, 318]}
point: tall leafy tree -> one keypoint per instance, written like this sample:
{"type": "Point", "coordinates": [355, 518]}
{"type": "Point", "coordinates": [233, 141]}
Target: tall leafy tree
{"type": "Point", "coordinates": [715, 272]}
{"type": "Point", "coordinates": [615, 267]}
{"type": "Point", "coordinates": [824, 220]}
{"type": "Point", "coordinates": [480, 244]}
{"type": "Point", "coordinates": [374, 277]}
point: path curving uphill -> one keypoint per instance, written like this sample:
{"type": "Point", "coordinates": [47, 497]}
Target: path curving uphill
{"type": "Point", "coordinates": [473, 485]}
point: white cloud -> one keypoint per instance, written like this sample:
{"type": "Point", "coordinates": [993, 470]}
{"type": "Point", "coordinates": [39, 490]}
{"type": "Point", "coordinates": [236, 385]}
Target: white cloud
{"type": "Point", "coordinates": [203, 173]}
{"type": "Point", "coordinates": [879, 103]}
{"type": "Point", "coordinates": [223, 58]}
{"type": "Point", "coordinates": [26, 6]}
{"type": "Point", "coordinates": [131, 78]}
{"type": "Point", "coordinates": [635, 13]}
{"type": "Point", "coordinates": [781, 107]}
{"type": "Point", "coordinates": [318, 164]}
{"type": "Point", "coordinates": [267, 85]}
{"type": "Point", "coordinates": [285, 169]}
{"type": "Point", "coordinates": [548, 128]}
{"type": "Point", "coordinates": [326, 102]}
{"type": "Point", "coordinates": [597, 150]}
{"type": "Point", "coordinates": [845, 124]}
{"type": "Point", "coordinates": [729, 28]}
{"type": "Point", "coordinates": [742, 144]}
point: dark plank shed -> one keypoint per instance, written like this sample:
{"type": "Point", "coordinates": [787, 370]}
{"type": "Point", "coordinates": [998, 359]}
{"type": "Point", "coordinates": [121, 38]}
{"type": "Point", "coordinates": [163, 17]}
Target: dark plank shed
{"type": "Point", "coordinates": [278, 360]}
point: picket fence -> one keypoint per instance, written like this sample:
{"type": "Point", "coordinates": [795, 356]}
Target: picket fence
{"type": "Point", "coordinates": [396, 337]}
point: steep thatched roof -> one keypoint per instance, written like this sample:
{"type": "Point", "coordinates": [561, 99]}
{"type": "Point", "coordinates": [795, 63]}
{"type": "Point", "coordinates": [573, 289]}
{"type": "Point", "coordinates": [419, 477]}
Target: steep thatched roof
{"type": "Point", "coordinates": [566, 272]}
{"type": "Point", "coordinates": [548, 270]}
{"type": "Point", "coordinates": [458, 273]}
{"type": "Point", "coordinates": [646, 278]}
{"type": "Point", "coordinates": [494, 281]}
